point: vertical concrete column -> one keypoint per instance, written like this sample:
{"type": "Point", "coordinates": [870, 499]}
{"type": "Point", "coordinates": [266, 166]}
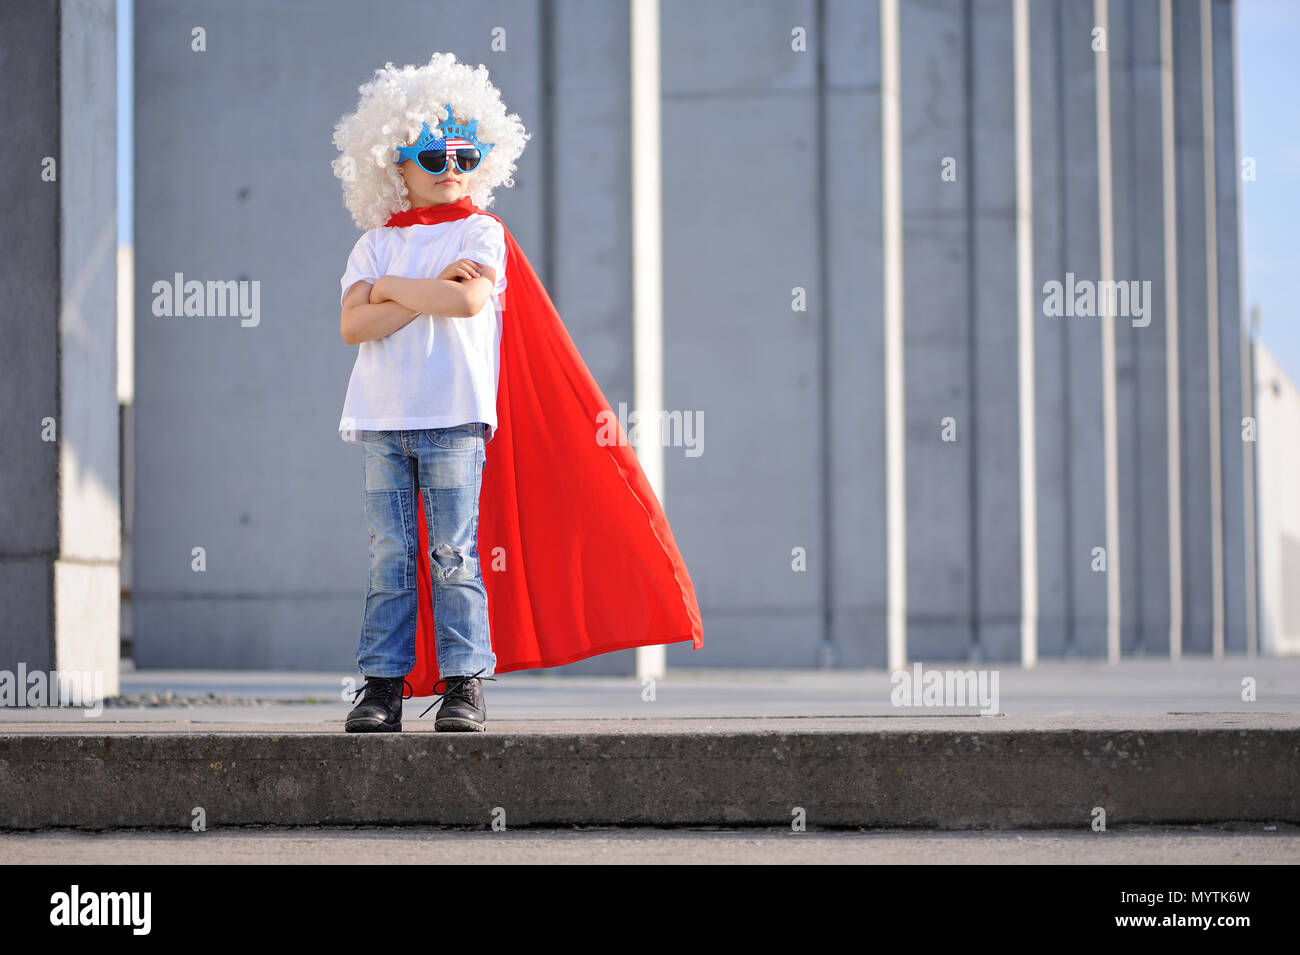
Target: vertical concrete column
{"type": "Point", "coordinates": [1051, 369]}
{"type": "Point", "coordinates": [1246, 340]}
{"type": "Point", "coordinates": [647, 265]}
{"type": "Point", "coordinates": [1196, 282]}
{"type": "Point", "coordinates": [939, 409]}
{"type": "Point", "coordinates": [1142, 418]}
{"type": "Point", "coordinates": [1238, 580]}
{"type": "Point", "coordinates": [891, 183]}
{"type": "Point", "coordinates": [855, 334]}
{"type": "Point", "coordinates": [1211, 207]}
{"type": "Point", "coordinates": [1084, 396]}
{"type": "Point", "coordinates": [87, 587]}
{"type": "Point", "coordinates": [1107, 308]}
{"type": "Point", "coordinates": [1026, 307]}
{"type": "Point", "coordinates": [989, 184]}
{"type": "Point", "coordinates": [1120, 47]}
{"type": "Point", "coordinates": [1173, 376]}
{"type": "Point", "coordinates": [29, 386]}
{"type": "Point", "coordinates": [59, 522]}
{"type": "Point", "coordinates": [892, 281]}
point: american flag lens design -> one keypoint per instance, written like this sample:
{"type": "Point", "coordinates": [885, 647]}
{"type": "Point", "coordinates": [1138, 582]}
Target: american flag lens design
{"type": "Point", "coordinates": [433, 158]}
{"type": "Point", "coordinates": [460, 141]}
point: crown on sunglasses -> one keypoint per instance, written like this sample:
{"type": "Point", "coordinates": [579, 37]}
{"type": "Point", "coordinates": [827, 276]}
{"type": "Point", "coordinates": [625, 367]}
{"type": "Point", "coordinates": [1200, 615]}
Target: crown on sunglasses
{"type": "Point", "coordinates": [454, 138]}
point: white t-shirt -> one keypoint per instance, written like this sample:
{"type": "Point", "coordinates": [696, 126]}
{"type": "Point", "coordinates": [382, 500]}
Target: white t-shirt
{"type": "Point", "coordinates": [437, 371]}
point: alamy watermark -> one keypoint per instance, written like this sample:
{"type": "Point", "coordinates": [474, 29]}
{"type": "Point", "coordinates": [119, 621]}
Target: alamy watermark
{"type": "Point", "coordinates": [53, 688]}
{"type": "Point", "coordinates": [676, 428]}
{"type": "Point", "coordinates": [945, 688]}
{"type": "Point", "coordinates": [1084, 298]}
{"type": "Point", "coordinates": [212, 299]}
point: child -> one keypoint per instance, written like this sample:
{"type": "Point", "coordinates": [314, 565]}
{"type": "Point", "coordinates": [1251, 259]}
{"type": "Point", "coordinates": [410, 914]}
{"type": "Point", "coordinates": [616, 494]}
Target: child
{"type": "Point", "coordinates": [440, 357]}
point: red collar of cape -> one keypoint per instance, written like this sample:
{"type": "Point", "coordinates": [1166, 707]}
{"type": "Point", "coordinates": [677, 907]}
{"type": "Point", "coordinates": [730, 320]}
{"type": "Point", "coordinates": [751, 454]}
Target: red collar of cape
{"type": "Point", "coordinates": [576, 554]}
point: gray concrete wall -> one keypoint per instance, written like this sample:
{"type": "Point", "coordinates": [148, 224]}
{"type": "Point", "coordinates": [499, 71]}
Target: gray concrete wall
{"type": "Point", "coordinates": [1193, 337]}
{"type": "Point", "coordinates": [29, 387]}
{"type": "Point", "coordinates": [1052, 439]}
{"type": "Point", "coordinates": [59, 517]}
{"type": "Point", "coordinates": [737, 239]}
{"type": "Point", "coordinates": [937, 329]}
{"type": "Point", "coordinates": [992, 358]}
{"type": "Point", "coordinates": [1142, 417]}
{"type": "Point", "coordinates": [235, 427]}
{"type": "Point", "coordinates": [1085, 497]}
{"type": "Point", "coordinates": [568, 213]}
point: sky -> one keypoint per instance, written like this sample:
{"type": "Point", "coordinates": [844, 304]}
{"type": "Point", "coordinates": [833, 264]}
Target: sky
{"type": "Point", "coordinates": [125, 122]}
{"type": "Point", "coordinates": [1268, 48]}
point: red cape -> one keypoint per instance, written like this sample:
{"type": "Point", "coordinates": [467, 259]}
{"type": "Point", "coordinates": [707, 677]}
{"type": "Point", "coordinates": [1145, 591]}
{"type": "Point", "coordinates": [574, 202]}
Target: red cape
{"type": "Point", "coordinates": [576, 554]}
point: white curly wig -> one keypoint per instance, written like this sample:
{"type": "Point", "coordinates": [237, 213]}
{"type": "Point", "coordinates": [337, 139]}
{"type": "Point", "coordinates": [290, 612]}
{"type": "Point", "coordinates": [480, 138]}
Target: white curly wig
{"type": "Point", "coordinates": [393, 107]}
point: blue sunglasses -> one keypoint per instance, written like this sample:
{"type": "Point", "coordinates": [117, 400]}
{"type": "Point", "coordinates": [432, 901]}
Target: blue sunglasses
{"type": "Point", "coordinates": [459, 144]}
{"type": "Point", "coordinates": [435, 156]}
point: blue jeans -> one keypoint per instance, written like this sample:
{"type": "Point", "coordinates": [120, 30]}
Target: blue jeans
{"type": "Point", "coordinates": [448, 464]}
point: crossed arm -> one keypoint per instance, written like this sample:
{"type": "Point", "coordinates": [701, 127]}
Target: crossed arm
{"type": "Point", "coordinates": [372, 311]}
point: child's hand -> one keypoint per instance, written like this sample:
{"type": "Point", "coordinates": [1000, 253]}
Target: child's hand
{"type": "Point", "coordinates": [462, 270]}
{"type": "Point", "coordinates": [378, 291]}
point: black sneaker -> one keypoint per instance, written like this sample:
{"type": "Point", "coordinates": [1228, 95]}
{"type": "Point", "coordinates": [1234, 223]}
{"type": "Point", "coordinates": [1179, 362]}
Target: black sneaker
{"type": "Point", "coordinates": [463, 709]}
{"type": "Point", "coordinates": [380, 709]}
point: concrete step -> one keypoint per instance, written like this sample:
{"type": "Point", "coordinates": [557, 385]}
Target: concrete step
{"type": "Point", "coordinates": [949, 772]}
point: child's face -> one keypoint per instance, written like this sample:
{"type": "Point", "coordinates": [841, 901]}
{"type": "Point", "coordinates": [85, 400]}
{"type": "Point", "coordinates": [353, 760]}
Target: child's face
{"type": "Point", "coordinates": [426, 189]}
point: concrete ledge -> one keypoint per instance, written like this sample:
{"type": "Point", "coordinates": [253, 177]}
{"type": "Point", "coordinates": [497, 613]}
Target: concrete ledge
{"type": "Point", "coordinates": [945, 773]}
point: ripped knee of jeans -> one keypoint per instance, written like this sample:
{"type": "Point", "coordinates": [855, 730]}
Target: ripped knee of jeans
{"type": "Point", "coordinates": [453, 563]}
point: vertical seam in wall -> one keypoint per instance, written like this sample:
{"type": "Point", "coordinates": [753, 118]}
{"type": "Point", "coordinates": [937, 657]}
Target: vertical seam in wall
{"type": "Point", "coordinates": [1244, 335]}
{"type": "Point", "coordinates": [60, 271]}
{"type": "Point", "coordinates": [1026, 367]}
{"type": "Point", "coordinates": [1173, 409]}
{"type": "Point", "coordinates": [1212, 325]}
{"type": "Point", "coordinates": [1067, 536]}
{"type": "Point", "coordinates": [972, 323]}
{"type": "Point", "coordinates": [823, 351]}
{"type": "Point", "coordinates": [891, 178]}
{"type": "Point", "coordinates": [1250, 480]}
{"type": "Point", "coordinates": [550, 226]}
{"type": "Point", "coordinates": [1135, 392]}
